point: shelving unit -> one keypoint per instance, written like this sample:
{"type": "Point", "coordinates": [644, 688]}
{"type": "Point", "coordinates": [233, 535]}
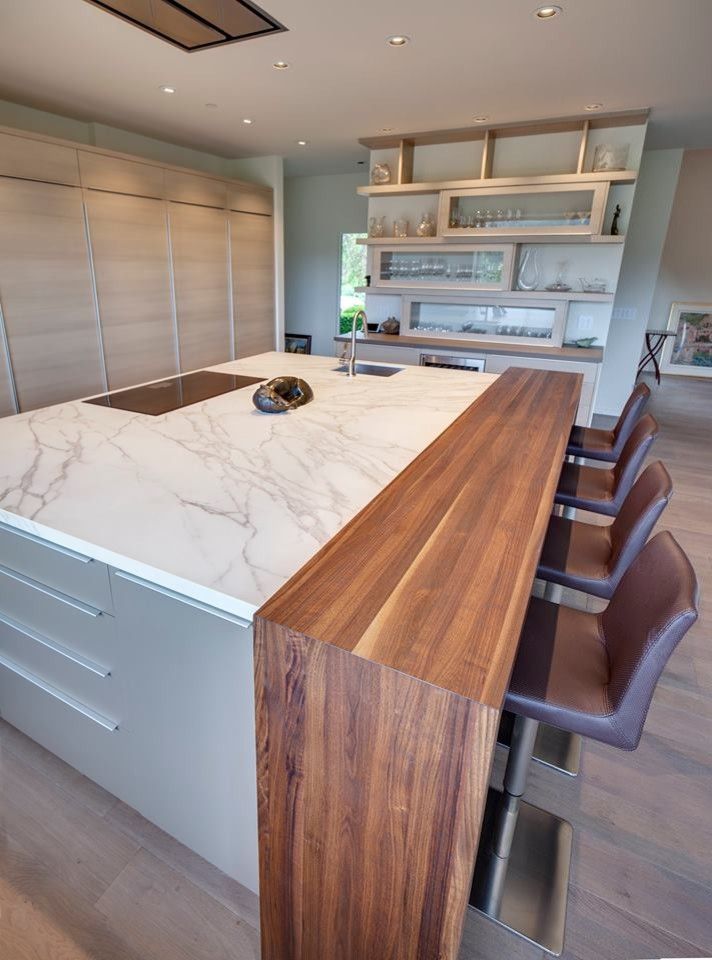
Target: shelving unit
{"type": "Point", "coordinates": [577, 296]}
{"type": "Point", "coordinates": [427, 189]}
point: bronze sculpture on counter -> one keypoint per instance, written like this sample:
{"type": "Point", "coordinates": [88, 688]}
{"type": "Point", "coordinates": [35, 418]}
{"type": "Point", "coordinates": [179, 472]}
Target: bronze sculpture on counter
{"type": "Point", "coordinates": [282, 394]}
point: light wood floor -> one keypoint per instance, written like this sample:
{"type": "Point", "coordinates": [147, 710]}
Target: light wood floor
{"type": "Point", "coordinates": [82, 877]}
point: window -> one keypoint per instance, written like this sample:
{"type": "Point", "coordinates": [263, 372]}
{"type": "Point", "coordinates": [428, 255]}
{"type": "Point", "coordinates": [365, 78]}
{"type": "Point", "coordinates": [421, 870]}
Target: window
{"type": "Point", "coordinates": [353, 274]}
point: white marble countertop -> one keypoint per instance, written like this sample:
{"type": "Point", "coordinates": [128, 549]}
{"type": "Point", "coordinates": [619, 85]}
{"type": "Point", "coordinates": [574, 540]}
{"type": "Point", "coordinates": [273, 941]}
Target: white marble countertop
{"type": "Point", "coordinates": [217, 501]}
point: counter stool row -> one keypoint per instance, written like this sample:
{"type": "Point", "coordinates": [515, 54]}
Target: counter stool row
{"type": "Point", "coordinates": [592, 674]}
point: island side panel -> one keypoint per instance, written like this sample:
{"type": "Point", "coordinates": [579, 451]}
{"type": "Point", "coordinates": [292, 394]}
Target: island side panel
{"type": "Point", "coordinates": [371, 787]}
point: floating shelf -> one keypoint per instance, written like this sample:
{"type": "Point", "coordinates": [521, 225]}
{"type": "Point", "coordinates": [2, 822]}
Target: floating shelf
{"type": "Point", "coordinates": [572, 295]}
{"type": "Point", "coordinates": [519, 238]}
{"type": "Point", "coordinates": [433, 187]}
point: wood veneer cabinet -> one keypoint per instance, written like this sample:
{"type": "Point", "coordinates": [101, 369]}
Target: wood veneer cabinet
{"type": "Point", "coordinates": [199, 238]}
{"type": "Point", "coordinates": [252, 243]}
{"type": "Point", "coordinates": [46, 293]}
{"type": "Point", "coordinates": [117, 175]}
{"type": "Point", "coordinates": [129, 240]}
{"type": "Point", "coordinates": [37, 160]}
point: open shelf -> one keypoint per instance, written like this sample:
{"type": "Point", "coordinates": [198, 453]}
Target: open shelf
{"type": "Point", "coordinates": [520, 238]}
{"type": "Point", "coordinates": [576, 296]}
{"type": "Point", "coordinates": [433, 187]}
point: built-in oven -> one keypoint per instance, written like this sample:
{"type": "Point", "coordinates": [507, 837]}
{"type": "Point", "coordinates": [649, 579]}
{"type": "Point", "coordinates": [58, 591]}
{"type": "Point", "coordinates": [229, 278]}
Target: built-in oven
{"type": "Point", "coordinates": [448, 362]}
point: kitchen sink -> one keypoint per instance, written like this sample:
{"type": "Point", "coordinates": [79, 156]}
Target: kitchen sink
{"type": "Point", "coordinates": [370, 369]}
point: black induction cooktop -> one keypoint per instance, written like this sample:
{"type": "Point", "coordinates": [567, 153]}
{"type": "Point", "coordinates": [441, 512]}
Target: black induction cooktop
{"type": "Point", "coordinates": [174, 393]}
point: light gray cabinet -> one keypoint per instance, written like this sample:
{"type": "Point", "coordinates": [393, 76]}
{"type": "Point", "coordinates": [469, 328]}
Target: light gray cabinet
{"type": "Point", "coordinates": [46, 293]}
{"type": "Point", "coordinates": [201, 276]}
{"type": "Point", "coordinates": [252, 243]}
{"type": "Point", "coordinates": [129, 241]}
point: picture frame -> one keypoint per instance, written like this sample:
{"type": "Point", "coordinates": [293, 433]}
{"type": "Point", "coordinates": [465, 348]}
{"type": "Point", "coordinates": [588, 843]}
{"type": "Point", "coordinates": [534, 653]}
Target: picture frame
{"type": "Point", "coordinates": [689, 353]}
{"type": "Point", "coordinates": [297, 343]}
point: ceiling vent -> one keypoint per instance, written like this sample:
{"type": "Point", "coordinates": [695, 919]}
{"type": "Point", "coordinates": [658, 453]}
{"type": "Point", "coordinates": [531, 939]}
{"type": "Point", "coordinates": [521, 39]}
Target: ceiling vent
{"type": "Point", "coordinates": [194, 24]}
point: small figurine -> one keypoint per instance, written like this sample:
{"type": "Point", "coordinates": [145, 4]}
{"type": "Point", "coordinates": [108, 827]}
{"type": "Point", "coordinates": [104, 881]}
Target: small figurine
{"type": "Point", "coordinates": [616, 217]}
{"type": "Point", "coordinates": [282, 394]}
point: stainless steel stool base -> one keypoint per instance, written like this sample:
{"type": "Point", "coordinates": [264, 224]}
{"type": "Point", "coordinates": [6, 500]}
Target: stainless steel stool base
{"type": "Point", "coordinates": [526, 893]}
{"type": "Point", "coordinates": [554, 748]}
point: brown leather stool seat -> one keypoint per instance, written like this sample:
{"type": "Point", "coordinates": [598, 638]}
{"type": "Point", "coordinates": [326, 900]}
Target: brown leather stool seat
{"type": "Point", "coordinates": [596, 444]}
{"type": "Point", "coordinates": [593, 558]}
{"type": "Point", "coordinates": [603, 490]}
{"type": "Point", "coordinates": [595, 674]}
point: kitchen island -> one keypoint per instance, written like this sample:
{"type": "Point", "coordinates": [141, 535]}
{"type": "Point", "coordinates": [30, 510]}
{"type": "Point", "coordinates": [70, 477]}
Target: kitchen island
{"type": "Point", "coordinates": [389, 534]}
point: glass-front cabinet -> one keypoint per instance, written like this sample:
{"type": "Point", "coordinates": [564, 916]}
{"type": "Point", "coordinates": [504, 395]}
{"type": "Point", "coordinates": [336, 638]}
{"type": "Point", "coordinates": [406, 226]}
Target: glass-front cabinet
{"type": "Point", "coordinates": [506, 321]}
{"type": "Point", "coordinates": [454, 267]}
{"type": "Point", "coordinates": [552, 208]}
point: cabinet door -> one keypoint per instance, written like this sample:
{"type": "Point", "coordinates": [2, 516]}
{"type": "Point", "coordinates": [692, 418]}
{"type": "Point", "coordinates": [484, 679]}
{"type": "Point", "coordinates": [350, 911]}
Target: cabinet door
{"type": "Point", "coordinates": [252, 242]}
{"type": "Point", "coordinates": [187, 188]}
{"type": "Point", "coordinates": [31, 159]}
{"type": "Point", "coordinates": [247, 198]}
{"type": "Point", "coordinates": [117, 175]}
{"type": "Point", "coordinates": [46, 293]}
{"type": "Point", "coordinates": [202, 285]}
{"type": "Point", "coordinates": [129, 239]}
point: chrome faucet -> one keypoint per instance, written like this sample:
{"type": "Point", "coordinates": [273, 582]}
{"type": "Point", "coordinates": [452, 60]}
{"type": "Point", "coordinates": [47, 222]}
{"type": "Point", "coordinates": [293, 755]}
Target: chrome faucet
{"type": "Point", "coordinates": [359, 315]}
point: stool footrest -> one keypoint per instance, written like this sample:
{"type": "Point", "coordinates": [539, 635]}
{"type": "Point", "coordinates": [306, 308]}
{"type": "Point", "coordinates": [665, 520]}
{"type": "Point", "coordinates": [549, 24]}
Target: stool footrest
{"type": "Point", "coordinates": [527, 892]}
{"type": "Point", "coordinates": [554, 748]}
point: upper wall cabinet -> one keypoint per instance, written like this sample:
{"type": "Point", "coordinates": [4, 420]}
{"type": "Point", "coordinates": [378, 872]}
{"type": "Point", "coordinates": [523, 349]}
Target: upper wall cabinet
{"type": "Point", "coordinates": [248, 199]}
{"type": "Point", "coordinates": [46, 293]}
{"type": "Point", "coordinates": [129, 240]}
{"type": "Point", "coordinates": [37, 160]}
{"type": "Point", "coordinates": [187, 188]}
{"type": "Point", "coordinates": [116, 175]}
{"type": "Point", "coordinates": [202, 284]}
{"type": "Point", "coordinates": [252, 243]}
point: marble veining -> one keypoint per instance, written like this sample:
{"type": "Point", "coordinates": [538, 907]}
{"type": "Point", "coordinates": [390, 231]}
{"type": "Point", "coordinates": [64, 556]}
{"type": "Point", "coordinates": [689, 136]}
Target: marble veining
{"type": "Point", "coordinates": [218, 501]}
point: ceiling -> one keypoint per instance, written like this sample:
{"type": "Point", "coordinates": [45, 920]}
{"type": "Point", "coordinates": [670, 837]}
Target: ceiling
{"type": "Point", "coordinates": [465, 58]}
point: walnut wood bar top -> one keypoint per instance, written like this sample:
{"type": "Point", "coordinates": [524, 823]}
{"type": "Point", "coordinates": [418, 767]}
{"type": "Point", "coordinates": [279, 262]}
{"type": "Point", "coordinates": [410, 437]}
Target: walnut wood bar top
{"type": "Point", "coordinates": [433, 577]}
{"type": "Point", "coordinates": [438, 344]}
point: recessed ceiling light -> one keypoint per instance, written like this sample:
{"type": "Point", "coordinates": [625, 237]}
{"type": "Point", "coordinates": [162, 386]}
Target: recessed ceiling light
{"type": "Point", "coordinates": [592, 107]}
{"type": "Point", "coordinates": [247, 121]}
{"type": "Point", "coordinates": [398, 40]}
{"type": "Point", "coordinates": [302, 143]}
{"type": "Point", "coordinates": [482, 119]}
{"type": "Point", "coordinates": [547, 12]}
{"type": "Point", "coordinates": [280, 65]}
{"type": "Point", "coordinates": [167, 89]}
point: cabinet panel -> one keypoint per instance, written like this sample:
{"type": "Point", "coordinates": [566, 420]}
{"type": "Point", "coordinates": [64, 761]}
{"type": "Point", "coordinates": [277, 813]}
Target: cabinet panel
{"type": "Point", "coordinates": [46, 293]}
{"type": "Point", "coordinates": [7, 399]}
{"type": "Point", "coordinates": [251, 199]}
{"type": "Point", "coordinates": [121, 176]}
{"type": "Point", "coordinates": [129, 238]}
{"type": "Point", "coordinates": [252, 242]}
{"type": "Point", "coordinates": [36, 160]}
{"type": "Point", "coordinates": [202, 284]}
{"type": "Point", "coordinates": [187, 188]}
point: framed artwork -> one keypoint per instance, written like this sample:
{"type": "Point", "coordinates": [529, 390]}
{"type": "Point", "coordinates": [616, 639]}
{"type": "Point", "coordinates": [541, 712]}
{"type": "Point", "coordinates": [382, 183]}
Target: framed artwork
{"type": "Point", "coordinates": [689, 352]}
{"type": "Point", "coordinates": [297, 342]}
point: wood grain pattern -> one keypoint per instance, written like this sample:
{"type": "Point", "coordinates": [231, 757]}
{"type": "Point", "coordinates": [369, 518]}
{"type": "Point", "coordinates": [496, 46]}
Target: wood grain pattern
{"type": "Point", "coordinates": [188, 188]}
{"type": "Point", "coordinates": [129, 239]}
{"type": "Point", "coordinates": [116, 175]}
{"type": "Point", "coordinates": [381, 668]}
{"type": "Point", "coordinates": [37, 160]}
{"type": "Point", "coordinates": [46, 293]}
{"type": "Point", "coordinates": [252, 243]}
{"type": "Point", "coordinates": [251, 199]}
{"type": "Point", "coordinates": [199, 237]}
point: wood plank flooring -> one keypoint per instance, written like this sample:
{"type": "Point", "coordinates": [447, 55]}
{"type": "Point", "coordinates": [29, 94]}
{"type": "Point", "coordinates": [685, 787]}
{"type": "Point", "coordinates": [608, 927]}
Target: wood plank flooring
{"type": "Point", "coordinates": [83, 877]}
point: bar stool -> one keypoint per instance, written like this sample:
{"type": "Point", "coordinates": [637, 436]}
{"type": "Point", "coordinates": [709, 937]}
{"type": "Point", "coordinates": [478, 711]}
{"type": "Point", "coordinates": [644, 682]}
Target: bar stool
{"type": "Point", "coordinates": [593, 558]}
{"type": "Point", "coordinates": [608, 445]}
{"type": "Point", "coordinates": [592, 674]}
{"type": "Point", "coordinates": [603, 490]}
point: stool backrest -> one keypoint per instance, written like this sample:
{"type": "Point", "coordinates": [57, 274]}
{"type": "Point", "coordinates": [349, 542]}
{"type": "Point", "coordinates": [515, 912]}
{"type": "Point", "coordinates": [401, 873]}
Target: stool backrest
{"type": "Point", "coordinates": [634, 452]}
{"type": "Point", "coordinates": [641, 510]}
{"type": "Point", "coordinates": [650, 612]}
{"type": "Point", "coordinates": [632, 412]}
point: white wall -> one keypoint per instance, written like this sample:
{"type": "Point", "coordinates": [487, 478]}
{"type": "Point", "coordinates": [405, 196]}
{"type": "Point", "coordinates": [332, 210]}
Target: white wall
{"type": "Point", "coordinates": [686, 264]}
{"type": "Point", "coordinates": [317, 210]}
{"type": "Point", "coordinates": [645, 239]}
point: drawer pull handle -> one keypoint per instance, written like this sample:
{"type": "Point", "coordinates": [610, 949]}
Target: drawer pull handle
{"type": "Point", "coordinates": [72, 554]}
{"type": "Point", "coordinates": [58, 695]}
{"type": "Point", "coordinates": [57, 647]}
{"type": "Point", "coordinates": [62, 597]}
{"type": "Point", "coordinates": [164, 591]}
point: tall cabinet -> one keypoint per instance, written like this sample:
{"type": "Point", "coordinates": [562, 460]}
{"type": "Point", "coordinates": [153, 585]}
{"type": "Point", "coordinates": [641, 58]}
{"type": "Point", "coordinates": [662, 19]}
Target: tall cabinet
{"type": "Point", "coordinates": [116, 271]}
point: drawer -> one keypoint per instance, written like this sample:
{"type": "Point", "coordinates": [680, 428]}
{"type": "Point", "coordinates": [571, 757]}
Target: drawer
{"type": "Point", "coordinates": [80, 627]}
{"type": "Point", "coordinates": [64, 570]}
{"type": "Point", "coordinates": [63, 669]}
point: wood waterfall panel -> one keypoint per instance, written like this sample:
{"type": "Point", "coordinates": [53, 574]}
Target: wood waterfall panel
{"type": "Point", "coordinates": [381, 668]}
{"type": "Point", "coordinates": [202, 284]}
{"type": "Point", "coordinates": [129, 238]}
{"type": "Point", "coordinates": [46, 293]}
{"type": "Point", "coordinates": [252, 242]}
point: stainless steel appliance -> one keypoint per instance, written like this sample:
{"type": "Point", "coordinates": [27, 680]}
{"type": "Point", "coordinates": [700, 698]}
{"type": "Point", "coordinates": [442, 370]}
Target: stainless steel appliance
{"type": "Point", "coordinates": [448, 362]}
